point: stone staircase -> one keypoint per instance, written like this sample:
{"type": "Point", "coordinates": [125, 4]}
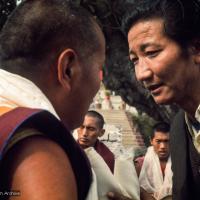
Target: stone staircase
{"type": "Point", "coordinates": [121, 119]}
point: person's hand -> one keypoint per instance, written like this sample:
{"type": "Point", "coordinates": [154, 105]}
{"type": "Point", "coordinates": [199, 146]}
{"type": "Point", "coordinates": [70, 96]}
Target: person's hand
{"type": "Point", "coordinates": [116, 196]}
{"type": "Point", "coordinates": [144, 195]}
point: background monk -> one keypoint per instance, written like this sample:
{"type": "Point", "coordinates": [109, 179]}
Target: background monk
{"type": "Point", "coordinates": [88, 134]}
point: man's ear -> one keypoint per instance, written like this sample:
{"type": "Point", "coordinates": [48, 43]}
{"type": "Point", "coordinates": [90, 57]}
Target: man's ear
{"type": "Point", "coordinates": [66, 62]}
{"type": "Point", "coordinates": [196, 51]}
{"type": "Point", "coordinates": [101, 133]}
{"type": "Point", "coordinates": [197, 58]}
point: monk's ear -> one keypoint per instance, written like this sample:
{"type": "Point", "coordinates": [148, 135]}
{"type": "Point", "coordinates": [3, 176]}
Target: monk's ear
{"type": "Point", "coordinates": [197, 59]}
{"type": "Point", "coordinates": [65, 66]}
{"type": "Point", "coordinates": [101, 132]}
{"type": "Point", "coordinates": [196, 51]}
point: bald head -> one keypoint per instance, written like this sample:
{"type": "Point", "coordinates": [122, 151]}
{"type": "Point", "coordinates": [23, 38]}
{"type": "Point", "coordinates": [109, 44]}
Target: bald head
{"type": "Point", "coordinates": [60, 48]}
{"type": "Point", "coordinates": [38, 31]}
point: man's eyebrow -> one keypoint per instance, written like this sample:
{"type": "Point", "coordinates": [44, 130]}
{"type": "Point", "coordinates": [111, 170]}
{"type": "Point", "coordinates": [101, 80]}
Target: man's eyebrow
{"type": "Point", "coordinates": [158, 139]}
{"type": "Point", "coordinates": [90, 127]}
{"type": "Point", "coordinates": [162, 139]}
{"type": "Point", "coordinates": [144, 46]}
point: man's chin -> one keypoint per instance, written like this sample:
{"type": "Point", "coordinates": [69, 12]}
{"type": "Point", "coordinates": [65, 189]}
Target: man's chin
{"type": "Point", "coordinates": [163, 157]}
{"type": "Point", "coordinates": [84, 146]}
{"type": "Point", "coordinates": [164, 99]}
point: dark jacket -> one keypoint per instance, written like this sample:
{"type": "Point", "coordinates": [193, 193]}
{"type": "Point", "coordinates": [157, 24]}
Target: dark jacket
{"type": "Point", "coordinates": [185, 161]}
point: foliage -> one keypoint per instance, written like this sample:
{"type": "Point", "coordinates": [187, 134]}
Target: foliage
{"type": "Point", "coordinates": [145, 124]}
{"type": "Point", "coordinates": [107, 92]}
{"type": "Point", "coordinates": [6, 7]}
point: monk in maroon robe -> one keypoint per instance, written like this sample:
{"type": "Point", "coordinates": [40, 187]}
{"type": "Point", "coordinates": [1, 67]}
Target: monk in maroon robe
{"type": "Point", "coordinates": [88, 134]}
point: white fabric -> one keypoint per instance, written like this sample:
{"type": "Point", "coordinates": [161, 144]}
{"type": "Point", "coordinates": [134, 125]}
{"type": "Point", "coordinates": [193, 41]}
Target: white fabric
{"type": "Point", "coordinates": [151, 178]}
{"type": "Point", "coordinates": [125, 173]}
{"type": "Point", "coordinates": [197, 114]}
{"type": "Point", "coordinates": [92, 194]}
{"type": "Point", "coordinates": [195, 133]}
{"type": "Point", "coordinates": [17, 91]}
{"type": "Point", "coordinates": [106, 182]}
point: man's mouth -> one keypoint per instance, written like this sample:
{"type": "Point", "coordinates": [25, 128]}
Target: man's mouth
{"type": "Point", "coordinates": [83, 139]}
{"type": "Point", "coordinates": [154, 88]}
{"type": "Point", "coordinates": [163, 153]}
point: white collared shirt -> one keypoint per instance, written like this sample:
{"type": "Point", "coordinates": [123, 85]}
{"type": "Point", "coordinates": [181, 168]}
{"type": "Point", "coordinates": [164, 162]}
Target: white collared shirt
{"type": "Point", "coordinates": [194, 130]}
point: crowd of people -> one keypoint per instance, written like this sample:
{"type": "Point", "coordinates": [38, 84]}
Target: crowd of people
{"type": "Point", "coordinates": [51, 53]}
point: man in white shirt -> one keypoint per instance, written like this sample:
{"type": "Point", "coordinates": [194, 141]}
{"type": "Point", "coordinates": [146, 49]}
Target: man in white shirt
{"type": "Point", "coordinates": [156, 175]}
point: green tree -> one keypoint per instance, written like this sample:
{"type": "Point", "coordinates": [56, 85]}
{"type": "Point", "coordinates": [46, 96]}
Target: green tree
{"type": "Point", "coordinates": [144, 126]}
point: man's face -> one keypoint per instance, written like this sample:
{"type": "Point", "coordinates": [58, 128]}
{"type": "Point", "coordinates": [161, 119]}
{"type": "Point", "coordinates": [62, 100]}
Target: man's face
{"type": "Point", "coordinates": [160, 143]}
{"type": "Point", "coordinates": [89, 131]}
{"type": "Point", "coordinates": [160, 64]}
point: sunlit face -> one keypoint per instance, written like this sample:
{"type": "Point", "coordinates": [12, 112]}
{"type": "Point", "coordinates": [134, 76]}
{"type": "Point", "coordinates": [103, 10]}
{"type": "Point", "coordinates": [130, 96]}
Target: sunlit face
{"type": "Point", "coordinates": [89, 131]}
{"type": "Point", "coordinates": [160, 64]}
{"type": "Point", "coordinates": [160, 143]}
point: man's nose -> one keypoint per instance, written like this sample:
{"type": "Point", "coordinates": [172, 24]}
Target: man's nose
{"type": "Point", "coordinates": [163, 145]}
{"type": "Point", "coordinates": [84, 131]}
{"type": "Point", "coordinates": [143, 71]}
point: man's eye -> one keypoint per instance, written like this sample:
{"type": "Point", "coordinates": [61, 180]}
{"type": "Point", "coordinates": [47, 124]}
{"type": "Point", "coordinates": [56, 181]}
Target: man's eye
{"type": "Point", "coordinates": [152, 54]}
{"type": "Point", "coordinates": [134, 61]}
{"type": "Point", "coordinates": [91, 129]}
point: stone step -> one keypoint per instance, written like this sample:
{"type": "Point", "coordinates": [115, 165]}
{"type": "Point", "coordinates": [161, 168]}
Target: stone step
{"type": "Point", "coordinates": [122, 120]}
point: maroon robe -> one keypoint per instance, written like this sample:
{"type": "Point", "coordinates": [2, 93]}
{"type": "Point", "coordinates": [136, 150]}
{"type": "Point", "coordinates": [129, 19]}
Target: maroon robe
{"type": "Point", "coordinates": [106, 154]}
{"type": "Point", "coordinates": [45, 122]}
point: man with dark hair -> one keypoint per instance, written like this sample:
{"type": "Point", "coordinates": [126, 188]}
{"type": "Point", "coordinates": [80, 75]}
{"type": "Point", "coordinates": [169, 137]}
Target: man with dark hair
{"type": "Point", "coordinates": [51, 52]}
{"type": "Point", "coordinates": [160, 127]}
{"type": "Point", "coordinates": [88, 134]}
{"type": "Point", "coordinates": [160, 140]}
{"type": "Point", "coordinates": [164, 41]}
{"type": "Point", "coordinates": [156, 176]}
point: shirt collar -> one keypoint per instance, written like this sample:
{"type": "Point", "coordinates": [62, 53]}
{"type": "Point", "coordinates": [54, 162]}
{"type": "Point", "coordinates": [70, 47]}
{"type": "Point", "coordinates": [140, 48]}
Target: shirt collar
{"type": "Point", "coordinates": [197, 114]}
